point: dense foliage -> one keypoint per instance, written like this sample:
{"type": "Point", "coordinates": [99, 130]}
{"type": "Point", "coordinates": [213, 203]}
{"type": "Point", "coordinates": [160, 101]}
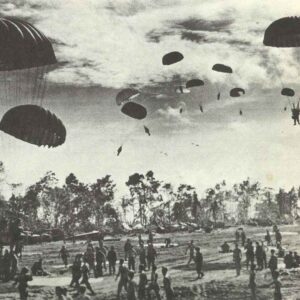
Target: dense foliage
{"type": "Point", "coordinates": [76, 206]}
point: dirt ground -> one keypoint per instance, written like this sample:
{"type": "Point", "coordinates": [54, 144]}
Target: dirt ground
{"type": "Point", "coordinates": [219, 282]}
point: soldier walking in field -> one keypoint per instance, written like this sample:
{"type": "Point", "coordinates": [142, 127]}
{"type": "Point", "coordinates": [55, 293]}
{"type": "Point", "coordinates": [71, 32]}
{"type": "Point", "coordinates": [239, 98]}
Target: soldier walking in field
{"type": "Point", "coordinates": [199, 263]}
{"type": "Point", "coordinates": [123, 274]}
{"type": "Point", "coordinates": [153, 285]}
{"type": "Point", "coordinates": [237, 259]}
{"type": "Point", "coordinates": [64, 254]}
{"type": "Point", "coordinates": [191, 251]}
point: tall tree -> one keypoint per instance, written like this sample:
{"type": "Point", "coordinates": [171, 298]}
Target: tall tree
{"type": "Point", "coordinates": [245, 192]}
{"type": "Point", "coordinates": [103, 192]}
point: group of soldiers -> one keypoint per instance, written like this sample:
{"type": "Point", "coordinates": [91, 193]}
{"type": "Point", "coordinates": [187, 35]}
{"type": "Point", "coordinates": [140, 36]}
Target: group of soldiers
{"type": "Point", "coordinates": [259, 253]}
{"type": "Point", "coordinates": [101, 259]}
{"type": "Point", "coordinates": [95, 260]}
{"type": "Point", "coordinates": [9, 257]}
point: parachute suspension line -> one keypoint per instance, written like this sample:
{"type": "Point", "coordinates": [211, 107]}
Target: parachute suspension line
{"type": "Point", "coordinates": [3, 94]}
{"type": "Point", "coordinates": [34, 88]}
{"type": "Point", "coordinates": [128, 136]}
{"type": "Point", "coordinates": [5, 85]}
{"type": "Point", "coordinates": [41, 84]}
{"type": "Point", "coordinates": [282, 85]}
{"type": "Point", "coordinates": [18, 86]}
{"type": "Point", "coordinates": [44, 85]}
{"type": "Point", "coordinates": [39, 81]}
{"type": "Point", "coordinates": [37, 94]}
{"type": "Point", "coordinates": [27, 85]}
{"type": "Point", "coordinates": [9, 87]}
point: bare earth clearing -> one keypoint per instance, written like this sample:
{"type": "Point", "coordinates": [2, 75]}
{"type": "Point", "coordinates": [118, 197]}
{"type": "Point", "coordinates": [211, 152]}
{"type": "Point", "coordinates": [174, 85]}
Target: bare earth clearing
{"type": "Point", "coordinates": [219, 281]}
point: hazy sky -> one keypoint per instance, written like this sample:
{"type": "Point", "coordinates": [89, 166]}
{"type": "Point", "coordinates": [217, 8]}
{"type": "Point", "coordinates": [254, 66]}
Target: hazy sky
{"type": "Point", "coordinates": [104, 46]}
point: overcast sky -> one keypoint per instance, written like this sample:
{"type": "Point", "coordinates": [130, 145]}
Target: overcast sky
{"type": "Point", "coordinates": [104, 46]}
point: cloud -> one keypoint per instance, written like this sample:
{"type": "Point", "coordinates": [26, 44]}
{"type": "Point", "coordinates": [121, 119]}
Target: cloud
{"type": "Point", "coordinates": [119, 43]}
{"type": "Point", "coordinates": [172, 118]}
{"type": "Point", "coordinates": [203, 25]}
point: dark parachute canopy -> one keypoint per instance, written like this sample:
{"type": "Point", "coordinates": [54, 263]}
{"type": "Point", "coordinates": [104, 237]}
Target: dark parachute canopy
{"type": "Point", "coordinates": [237, 92]}
{"type": "Point", "coordinates": [284, 32]}
{"type": "Point", "coordinates": [222, 68]}
{"type": "Point", "coordinates": [25, 56]}
{"type": "Point", "coordinates": [134, 110]}
{"type": "Point", "coordinates": [35, 125]}
{"type": "Point", "coordinates": [194, 83]}
{"type": "Point", "coordinates": [172, 58]}
{"type": "Point", "coordinates": [126, 95]}
{"type": "Point", "coordinates": [287, 92]}
{"type": "Point", "coordinates": [23, 46]}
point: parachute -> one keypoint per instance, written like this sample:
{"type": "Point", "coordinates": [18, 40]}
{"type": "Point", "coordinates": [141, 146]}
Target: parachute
{"type": "Point", "coordinates": [126, 95]}
{"type": "Point", "coordinates": [236, 92]}
{"type": "Point", "coordinates": [35, 125]}
{"type": "Point", "coordinates": [134, 110]}
{"type": "Point", "coordinates": [194, 83]}
{"type": "Point", "coordinates": [287, 92]}
{"type": "Point", "coordinates": [182, 90]}
{"type": "Point", "coordinates": [172, 58]}
{"type": "Point", "coordinates": [222, 68]}
{"type": "Point", "coordinates": [224, 71]}
{"type": "Point", "coordinates": [25, 57]}
{"type": "Point", "coordinates": [283, 33]}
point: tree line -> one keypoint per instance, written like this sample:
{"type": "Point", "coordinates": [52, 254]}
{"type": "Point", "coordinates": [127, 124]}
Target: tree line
{"type": "Point", "coordinates": [76, 206]}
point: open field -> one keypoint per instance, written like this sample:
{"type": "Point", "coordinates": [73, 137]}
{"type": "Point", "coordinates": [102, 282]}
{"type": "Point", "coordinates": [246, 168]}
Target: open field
{"type": "Point", "coordinates": [219, 282]}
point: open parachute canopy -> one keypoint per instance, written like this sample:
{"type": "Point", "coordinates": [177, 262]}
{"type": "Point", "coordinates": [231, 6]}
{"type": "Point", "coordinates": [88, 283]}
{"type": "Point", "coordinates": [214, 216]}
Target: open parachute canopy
{"type": "Point", "coordinates": [287, 92]}
{"type": "Point", "coordinates": [172, 58]}
{"type": "Point", "coordinates": [237, 92]}
{"type": "Point", "coordinates": [35, 125]}
{"type": "Point", "coordinates": [194, 83]}
{"type": "Point", "coordinates": [23, 46]}
{"type": "Point", "coordinates": [126, 95]}
{"type": "Point", "coordinates": [222, 68]}
{"type": "Point", "coordinates": [25, 56]}
{"type": "Point", "coordinates": [284, 32]}
{"type": "Point", "coordinates": [134, 110]}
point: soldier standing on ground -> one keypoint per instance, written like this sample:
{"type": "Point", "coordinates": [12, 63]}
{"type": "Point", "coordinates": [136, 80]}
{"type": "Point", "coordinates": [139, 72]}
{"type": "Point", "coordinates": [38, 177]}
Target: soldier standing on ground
{"type": "Point", "coordinates": [249, 253]}
{"type": "Point", "coordinates": [199, 263]}
{"type": "Point", "coordinates": [151, 255]}
{"type": "Point", "coordinates": [123, 273]}
{"type": "Point", "coordinates": [273, 263]}
{"type": "Point", "coordinates": [252, 282]}
{"type": "Point", "coordinates": [104, 250]}
{"type": "Point", "coordinates": [22, 280]}
{"type": "Point", "coordinates": [268, 238]}
{"type": "Point", "coordinates": [64, 254]}
{"type": "Point", "coordinates": [85, 277]}
{"type": "Point", "coordinates": [278, 237]}
{"type": "Point", "coordinates": [167, 284]}
{"type": "Point", "coordinates": [142, 255]}
{"type": "Point", "coordinates": [259, 256]}
{"type": "Point", "coordinates": [76, 271]}
{"type": "Point", "coordinates": [153, 285]}
{"type": "Point", "coordinates": [237, 258]}
{"type": "Point", "coordinates": [131, 258]}
{"type": "Point", "coordinates": [243, 237]}
{"type": "Point", "coordinates": [100, 261]}
{"type": "Point", "coordinates": [191, 250]}
{"type": "Point", "coordinates": [131, 287]}
{"type": "Point", "coordinates": [277, 286]}
{"type": "Point", "coordinates": [127, 247]}
{"type": "Point", "coordinates": [142, 283]}
{"type": "Point", "coordinates": [112, 259]}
